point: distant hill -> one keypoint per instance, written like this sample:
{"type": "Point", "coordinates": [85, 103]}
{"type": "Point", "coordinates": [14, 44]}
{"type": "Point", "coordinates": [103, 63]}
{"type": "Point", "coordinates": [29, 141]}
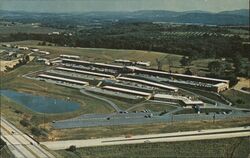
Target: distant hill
{"type": "Point", "coordinates": [242, 12]}
{"type": "Point", "coordinates": [212, 19]}
{"type": "Point", "coordinates": [236, 17]}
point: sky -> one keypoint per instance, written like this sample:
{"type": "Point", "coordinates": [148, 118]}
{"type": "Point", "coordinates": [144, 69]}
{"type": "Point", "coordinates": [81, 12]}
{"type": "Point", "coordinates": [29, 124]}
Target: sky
{"type": "Point", "coordinates": [121, 5]}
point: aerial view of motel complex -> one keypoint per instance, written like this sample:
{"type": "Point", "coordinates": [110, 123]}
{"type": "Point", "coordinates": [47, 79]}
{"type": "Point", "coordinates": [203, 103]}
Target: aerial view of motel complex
{"type": "Point", "coordinates": [88, 88]}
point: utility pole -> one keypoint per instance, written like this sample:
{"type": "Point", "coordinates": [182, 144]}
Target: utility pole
{"type": "Point", "coordinates": [170, 64]}
{"type": "Point", "coordinates": [214, 118]}
{"type": "Point", "coordinates": [248, 75]}
{"type": "Point", "coordinates": [43, 120]}
{"type": "Point", "coordinates": [172, 119]}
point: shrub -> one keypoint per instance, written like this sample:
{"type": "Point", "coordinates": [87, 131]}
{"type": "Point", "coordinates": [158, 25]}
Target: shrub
{"type": "Point", "coordinates": [72, 148]}
{"type": "Point", "coordinates": [24, 122]}
{"type": "Point", "coordinates": [18, 112]}
{"type": "Point", "coordinates": [36, 131]}
{"type": "Point", "coordinates": [240, 101]}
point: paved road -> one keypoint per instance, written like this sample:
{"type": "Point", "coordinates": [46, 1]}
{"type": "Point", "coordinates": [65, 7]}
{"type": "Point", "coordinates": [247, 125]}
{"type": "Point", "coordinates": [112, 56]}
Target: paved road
{"type": "Point", "coordinates": [92, 120]}
{"type": "Point", "coordinates": [113, 105]}
{"type": "Point", "coordinates": [21, 145]}
{"type": "Point", "coordinates": [153, 138]}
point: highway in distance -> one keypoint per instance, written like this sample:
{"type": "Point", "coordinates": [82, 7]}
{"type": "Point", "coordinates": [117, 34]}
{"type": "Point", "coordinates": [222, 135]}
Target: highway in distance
{"type": "Point", "coordinates": [20, 144]}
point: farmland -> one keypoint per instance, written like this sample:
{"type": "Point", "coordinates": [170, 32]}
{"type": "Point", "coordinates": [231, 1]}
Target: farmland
{"type": "Point", "coordinates": [12, 28]}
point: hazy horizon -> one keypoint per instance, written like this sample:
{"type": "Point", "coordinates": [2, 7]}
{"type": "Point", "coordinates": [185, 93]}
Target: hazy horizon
{"type": "Point", "coordinates": [67, 6]}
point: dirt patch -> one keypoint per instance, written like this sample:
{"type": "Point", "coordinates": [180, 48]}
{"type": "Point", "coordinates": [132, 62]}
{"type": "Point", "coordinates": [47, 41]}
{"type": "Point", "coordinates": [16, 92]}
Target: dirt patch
{"type": "Point", "coordinates": [243, 82]}
{"type": "Point", "coordinates": [10, 64]}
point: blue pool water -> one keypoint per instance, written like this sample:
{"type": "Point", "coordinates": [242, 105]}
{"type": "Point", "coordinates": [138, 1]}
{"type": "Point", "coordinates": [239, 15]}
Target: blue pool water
{"type": "Point", "coordinates": [41, 104]}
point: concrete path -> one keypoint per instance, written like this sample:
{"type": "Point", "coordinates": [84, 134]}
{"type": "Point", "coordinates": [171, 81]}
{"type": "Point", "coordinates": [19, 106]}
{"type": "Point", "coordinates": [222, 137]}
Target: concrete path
{"type": "Point", "coordinates": [153, 138]}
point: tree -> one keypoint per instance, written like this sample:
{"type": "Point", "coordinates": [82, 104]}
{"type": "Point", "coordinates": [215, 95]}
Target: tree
{"type": "Point", "coordinates": [159, 64]}
{"type": "Point", "coordinates": [27, 58]}
{"type": "Point", "coordinates": [216, 67]}
{"type": "Point", "coordinates": [185, 61]}
{"type": "Point", "coordinates": [43, 43]}
{"type": "Point", "coordinates": [237, 62]}
{"type": "Point", "coordinates": [36, 131]}
{"type": "Point", "coordinates": [72, 148]}
{"type": "Point", "coordinates": [2, 143]}
{"type": "Point", "coordinates": [24, 122]}
{"type": "Point", "coordinates": [188, 72]}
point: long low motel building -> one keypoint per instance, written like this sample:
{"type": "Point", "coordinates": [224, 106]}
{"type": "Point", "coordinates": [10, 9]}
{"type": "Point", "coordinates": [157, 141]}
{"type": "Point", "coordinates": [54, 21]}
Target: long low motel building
{"type": "Point", "coordinates": [149, 71]}
{"type": "Point", "coordinates": [129, 91]}
{"type": "Point", "coordinates": [180, 76]}
{"type": "Point", "coordinates": [184, 101]}
{"type": "Point", "coordinates": [218, 85]}
{"type": "Point", "coordinates": [84, 72]}
{"type": "Point", "coordinates": [87, 63]}
{"type": "Point", "coordinates": [63, 79]}
{"type": "Point", "coordinates": [149, 83]}
{"type": "Point", "coordinates": [70, 56]}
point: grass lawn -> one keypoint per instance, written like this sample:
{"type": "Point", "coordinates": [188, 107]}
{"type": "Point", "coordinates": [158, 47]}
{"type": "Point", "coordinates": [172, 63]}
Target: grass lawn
{"type": "Point", "coordinates": [198, 67]}
{"type": "Point", "coordinates": [234, 147]}
{"type": "Point", "coordinates": [238, 99]}
{"type": "Point", "coordinates": [155, 107]}
{"type": "Point", "coordinates": [204, 93]}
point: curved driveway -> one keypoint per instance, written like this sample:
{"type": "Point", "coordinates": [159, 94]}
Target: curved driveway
{"type": "Point", "coordinates": [113, 105]}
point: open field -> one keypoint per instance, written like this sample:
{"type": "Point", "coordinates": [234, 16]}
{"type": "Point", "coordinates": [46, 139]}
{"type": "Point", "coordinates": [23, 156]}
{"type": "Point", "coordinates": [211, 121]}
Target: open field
{"type": "Point", "coordinates": [238, 99]}
{"type": "Point", "coordinates": [25, 43]}
{"type": "Point", "coordinates": [103, 55]}
{"type": "Point", "coordinates": [203, 93]}
{"type": "Point", "coordinates": [235, 147]}
{"type": "Point", "coordinates": [8, 28]}
{"type": "Point", "coordinates": [109, 55]}
{"type": "Point", "coordinates": [156, 107]}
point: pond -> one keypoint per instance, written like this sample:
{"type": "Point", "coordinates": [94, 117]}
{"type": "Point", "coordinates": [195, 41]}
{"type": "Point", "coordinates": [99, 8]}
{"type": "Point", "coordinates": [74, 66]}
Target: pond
{"type": "Point", "coordinates": [41, 104]}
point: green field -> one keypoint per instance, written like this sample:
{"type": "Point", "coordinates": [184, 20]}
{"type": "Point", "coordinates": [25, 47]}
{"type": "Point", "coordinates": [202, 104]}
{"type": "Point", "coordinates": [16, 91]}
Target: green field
{"type": "Point", "coordinates": [238, 99]}
{"type": "Point", "coordinates": [155, 107]}
{"type": "Point", "coordinates": [234, 148]}
{"type": "Point", "coordinates": [103, 55]}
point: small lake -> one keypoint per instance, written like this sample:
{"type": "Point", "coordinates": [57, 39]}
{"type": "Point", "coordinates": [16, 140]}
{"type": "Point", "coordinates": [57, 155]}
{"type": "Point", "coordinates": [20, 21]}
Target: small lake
{"type": "Point", "coordinates": [41, 104]}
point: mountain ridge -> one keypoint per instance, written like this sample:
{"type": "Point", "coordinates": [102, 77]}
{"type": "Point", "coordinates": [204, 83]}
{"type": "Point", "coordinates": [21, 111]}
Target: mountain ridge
{"type": "Point", "coordinates": [234, 17]}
